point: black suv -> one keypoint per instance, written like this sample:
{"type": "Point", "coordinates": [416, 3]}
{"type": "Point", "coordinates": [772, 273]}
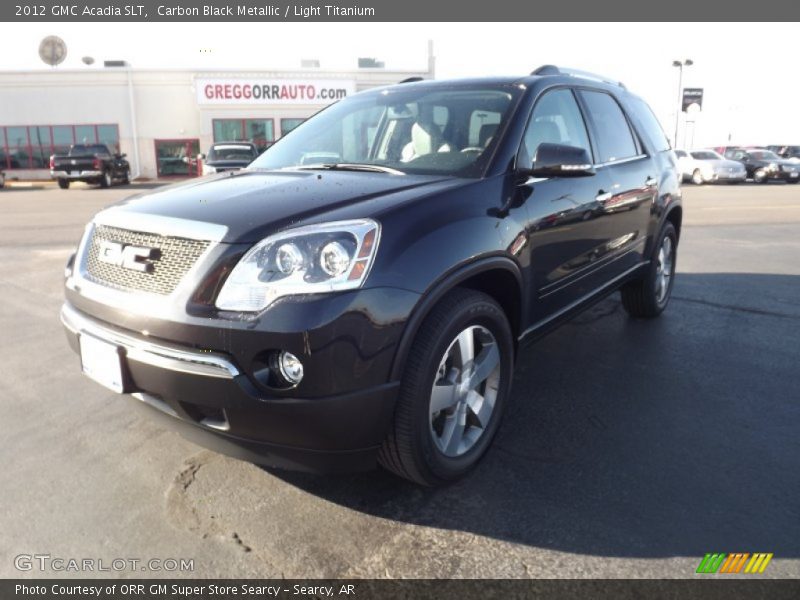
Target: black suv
{"type": "Point", "coordinates": [362, 289]}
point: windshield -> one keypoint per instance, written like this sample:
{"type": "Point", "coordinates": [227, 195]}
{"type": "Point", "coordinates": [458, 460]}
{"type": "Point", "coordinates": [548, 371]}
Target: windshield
{"type": "Point", "coordinates": [421, 130]}
{"type": "Point", "coordinates": [231, 152]}
{"type": "Point", "coordinates": [706, 155]}
{"type": "Point", "coordinates": [79, 149]}
{"type": "Point", "coordinates": [764, 155]}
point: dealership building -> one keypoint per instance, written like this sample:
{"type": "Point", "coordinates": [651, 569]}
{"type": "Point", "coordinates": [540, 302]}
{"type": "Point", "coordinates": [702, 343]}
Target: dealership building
{"type": "Point", "coordinates": [162, 118]}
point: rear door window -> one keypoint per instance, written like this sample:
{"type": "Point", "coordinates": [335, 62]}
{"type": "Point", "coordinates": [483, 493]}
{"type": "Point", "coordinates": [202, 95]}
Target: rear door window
{"type": "Point", "coordinates": [614, 138]}
{"type": "Point", "coordinates": [648, 124]}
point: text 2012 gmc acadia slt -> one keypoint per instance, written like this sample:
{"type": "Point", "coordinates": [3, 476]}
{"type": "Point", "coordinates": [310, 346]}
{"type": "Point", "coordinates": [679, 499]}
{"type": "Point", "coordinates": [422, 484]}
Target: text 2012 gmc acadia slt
{"type": "Point", "coordinates": [361, 291]}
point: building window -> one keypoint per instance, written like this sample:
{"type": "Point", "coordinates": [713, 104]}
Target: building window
{"type": "Point", "coordinates": [288, 124]}
{"type": "Point", "coordinates": [259, 131]}
{"type": "Point", "coordinates": [30, 147]}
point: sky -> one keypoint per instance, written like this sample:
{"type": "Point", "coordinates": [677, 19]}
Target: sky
{"type": "Point", "coordinates": [750, 86]}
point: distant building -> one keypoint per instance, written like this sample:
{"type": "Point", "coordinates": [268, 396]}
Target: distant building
{"type": "Point", "coordinates": [159, 117]}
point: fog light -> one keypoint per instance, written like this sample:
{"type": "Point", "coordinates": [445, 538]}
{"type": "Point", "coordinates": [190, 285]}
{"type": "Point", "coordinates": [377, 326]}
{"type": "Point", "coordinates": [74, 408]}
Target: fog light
{"type": "Point", "coordinates": [290, 367]}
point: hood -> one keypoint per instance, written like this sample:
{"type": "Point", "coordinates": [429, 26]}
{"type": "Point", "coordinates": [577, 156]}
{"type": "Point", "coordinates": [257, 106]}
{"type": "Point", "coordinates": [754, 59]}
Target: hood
{"type": "Point", "coordinates": [254, 204]}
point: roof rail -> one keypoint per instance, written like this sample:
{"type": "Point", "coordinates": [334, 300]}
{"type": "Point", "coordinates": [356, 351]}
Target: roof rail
{"type": "Point", "coordinates": [554, 70]}
{"type": "Point", "coordinates": [411, 79]}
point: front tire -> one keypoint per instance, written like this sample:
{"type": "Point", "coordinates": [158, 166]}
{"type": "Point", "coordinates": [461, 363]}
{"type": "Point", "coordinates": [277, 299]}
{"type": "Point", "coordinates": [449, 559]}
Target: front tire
{"type": "Point", "coordinates": [760, 176]}
{"type": "Point", "coordinates": [648, 297]}
{"type": "Point", "coordinates": [63, 184]}
{"type": "Point", "coordinates": [697, 177]}
{"type": "Point", "coordinates": [454, 390]}
{"type": "Point", "coordinates": [126, 178]}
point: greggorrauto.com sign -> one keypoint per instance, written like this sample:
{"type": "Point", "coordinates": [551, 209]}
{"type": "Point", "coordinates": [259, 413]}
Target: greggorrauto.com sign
{"type": "Point", "coordinates": [272, 91]}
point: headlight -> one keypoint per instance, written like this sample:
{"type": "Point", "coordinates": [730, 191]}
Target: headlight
{"type": "Point", "coordinates": [772, 167]}
{"type": "Point", "coordinates": [308, 260]}
{"type": "Point", "coordinates": [208, 170]}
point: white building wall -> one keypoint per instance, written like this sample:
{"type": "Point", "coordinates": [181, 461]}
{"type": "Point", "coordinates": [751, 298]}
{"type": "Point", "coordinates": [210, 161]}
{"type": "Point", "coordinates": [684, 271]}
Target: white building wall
{"type": "Point", "coordinates": [164, 101]}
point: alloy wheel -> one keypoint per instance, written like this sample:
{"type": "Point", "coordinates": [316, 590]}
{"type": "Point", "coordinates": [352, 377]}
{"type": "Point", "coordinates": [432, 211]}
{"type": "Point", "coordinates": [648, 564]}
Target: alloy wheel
{"type": "Point", "coordinates": [464, 392]}
{"type": "Point", "coordinates": [664, 268]}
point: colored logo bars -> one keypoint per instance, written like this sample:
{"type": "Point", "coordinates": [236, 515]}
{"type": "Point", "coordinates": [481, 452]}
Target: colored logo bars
{"type": "Point", "coordinates": [733, 563]}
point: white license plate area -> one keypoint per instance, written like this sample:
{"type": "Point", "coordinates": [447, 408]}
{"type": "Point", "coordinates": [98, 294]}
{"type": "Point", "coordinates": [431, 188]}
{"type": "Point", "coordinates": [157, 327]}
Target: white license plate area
{"type": "Point", "coordinates": [101, 361]}
{"type": "Point", "coordinates": [795, 174]}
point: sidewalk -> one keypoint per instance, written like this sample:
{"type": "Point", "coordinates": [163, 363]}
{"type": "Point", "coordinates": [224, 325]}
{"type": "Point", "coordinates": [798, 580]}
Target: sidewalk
{"type": "Point", "coordinates": [48, 183]}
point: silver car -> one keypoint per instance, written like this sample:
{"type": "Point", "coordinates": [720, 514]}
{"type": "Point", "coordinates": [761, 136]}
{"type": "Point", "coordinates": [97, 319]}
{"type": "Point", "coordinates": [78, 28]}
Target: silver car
{"type": "Point", "coordinates": [707, 166]}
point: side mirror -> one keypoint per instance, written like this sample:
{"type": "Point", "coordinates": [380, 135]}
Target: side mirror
{"type": "Point", "coordinates": [559, 160]}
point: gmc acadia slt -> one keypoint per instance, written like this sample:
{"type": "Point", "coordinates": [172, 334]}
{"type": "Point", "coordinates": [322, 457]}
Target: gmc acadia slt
{"type": "Point", "coordinates": [361, 290]}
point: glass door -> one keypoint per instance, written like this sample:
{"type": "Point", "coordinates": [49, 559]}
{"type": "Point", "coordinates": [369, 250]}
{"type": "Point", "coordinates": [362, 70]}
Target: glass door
{"type": "Point", "coordinates": [177, 158]}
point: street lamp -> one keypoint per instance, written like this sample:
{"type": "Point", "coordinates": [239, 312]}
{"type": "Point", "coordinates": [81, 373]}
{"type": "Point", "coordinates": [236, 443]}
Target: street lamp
{"type": "Point", "coordinates": [680, 64]}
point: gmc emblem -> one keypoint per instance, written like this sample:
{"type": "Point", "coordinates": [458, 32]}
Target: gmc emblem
{"type": "Point", "coordinates": [135, 258]}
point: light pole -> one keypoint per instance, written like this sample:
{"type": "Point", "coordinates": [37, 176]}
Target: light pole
{"type": "Point", "coordinates": [680, 64]}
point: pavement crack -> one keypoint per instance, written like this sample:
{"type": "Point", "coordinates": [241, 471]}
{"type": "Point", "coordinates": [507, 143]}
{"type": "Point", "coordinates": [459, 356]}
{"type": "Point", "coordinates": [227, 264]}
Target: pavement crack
{"type": "Point", "coordinates": [238, 541]}
{"type": "Point", "coordinates": [737, 308]}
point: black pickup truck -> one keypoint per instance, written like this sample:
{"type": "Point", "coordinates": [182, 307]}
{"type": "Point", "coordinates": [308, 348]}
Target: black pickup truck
{"type": "Point", "coordinates": [91, 163]}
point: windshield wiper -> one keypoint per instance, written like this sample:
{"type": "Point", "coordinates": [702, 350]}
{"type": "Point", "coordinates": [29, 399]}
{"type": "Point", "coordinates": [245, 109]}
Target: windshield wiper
{"type": "Point", "coordinates": [352, 167]}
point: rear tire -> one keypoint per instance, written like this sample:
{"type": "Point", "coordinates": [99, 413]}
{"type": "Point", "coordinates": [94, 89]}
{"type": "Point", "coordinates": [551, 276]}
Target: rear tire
{"type": "Point", "coordinates": [648, 297]}
{"type": "Point", "coordinates": [105, 180]}
{"type": "Point", "coordinates": [63, 184]}
{"type": "Point", "coordinates": [450, 405]}
{"type": "Point", "coordinates": [697, 177]}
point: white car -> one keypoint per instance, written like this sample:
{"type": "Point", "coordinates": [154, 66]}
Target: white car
{"type": "Point", "coordinates": [707, 166]}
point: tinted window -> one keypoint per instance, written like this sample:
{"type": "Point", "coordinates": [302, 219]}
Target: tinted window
{"type": "Point", "coordinates": [614, 138]}
{"type": "Point", "coordinates": [764, 155]}
{"type": "Point", "coordinates": [556, 119]}
{"type": "Point", "coordinates": [649, 125]}
{"type": "Point", "coordinates": [706, 155]}
{"type": "Point", "coordinates": [232, 152]}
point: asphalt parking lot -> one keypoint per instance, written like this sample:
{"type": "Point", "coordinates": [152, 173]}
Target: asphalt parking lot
{"type": "Point", "coordinates": [631, 449]}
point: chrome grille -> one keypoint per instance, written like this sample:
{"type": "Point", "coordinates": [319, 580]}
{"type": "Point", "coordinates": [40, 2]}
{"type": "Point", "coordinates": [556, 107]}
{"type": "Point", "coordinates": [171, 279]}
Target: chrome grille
{"type": "Point", "coordinates": [177, 256]}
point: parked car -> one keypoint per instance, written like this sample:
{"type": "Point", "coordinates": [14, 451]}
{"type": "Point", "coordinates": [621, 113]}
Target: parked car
{"type": "Point", "coordinates": [325, 315]}
{"type": "Point", "coordinates": [764, 165]}
{"type": "Point", "coordinates": [90, 163]}
{"type": "Point", "coordinates": [788, 152]}
{"type": "Point", "coordinates": [707, 166]}
{"type": "Point", "coordinates": [228, 156]}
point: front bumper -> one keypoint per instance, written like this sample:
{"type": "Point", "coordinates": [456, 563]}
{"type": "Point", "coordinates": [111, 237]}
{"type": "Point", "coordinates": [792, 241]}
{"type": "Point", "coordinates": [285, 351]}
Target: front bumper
{"type": "Point", "coordinates": [213, 400]}
{"type": "Point", "coordinates": [725, 176]}
{"type": "Point", "coordinates": [75, 174]}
